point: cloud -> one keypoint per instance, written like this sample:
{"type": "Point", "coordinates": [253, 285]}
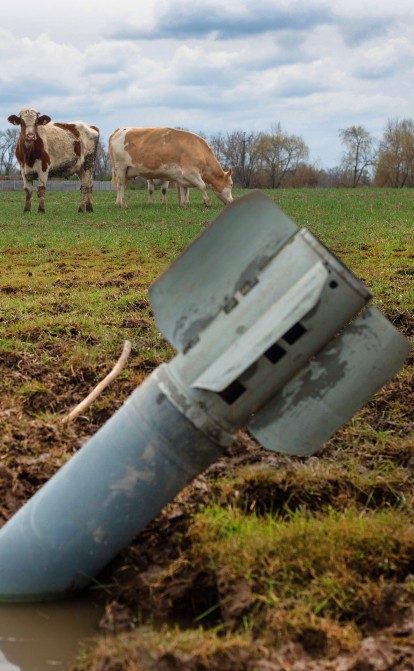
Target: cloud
{"type": "Point", "coordinates": [389, 59]}
{"type": "Point", "coordinates": [231, 20]}
{"type": "Point", "coordinates": [32, 89]}
{"type": "Point", "coordinates": [364, 29]}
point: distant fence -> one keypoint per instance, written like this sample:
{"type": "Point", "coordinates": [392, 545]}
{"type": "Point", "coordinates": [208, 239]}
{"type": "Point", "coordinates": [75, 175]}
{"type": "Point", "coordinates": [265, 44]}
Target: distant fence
{"type": "Point", "coordinates": [54, 185]}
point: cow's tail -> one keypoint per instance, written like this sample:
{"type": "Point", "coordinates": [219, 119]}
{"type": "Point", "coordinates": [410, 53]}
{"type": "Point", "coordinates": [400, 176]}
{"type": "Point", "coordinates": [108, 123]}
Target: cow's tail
{"type": "Point", "coordinates": [111, 156]}
{"type": "Point", "coordinates": [114, 173]}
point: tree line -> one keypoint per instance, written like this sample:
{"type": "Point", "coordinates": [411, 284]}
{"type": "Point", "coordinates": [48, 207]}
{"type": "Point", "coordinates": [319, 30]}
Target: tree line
{"type": "Point", "coordinates": [277, 158]}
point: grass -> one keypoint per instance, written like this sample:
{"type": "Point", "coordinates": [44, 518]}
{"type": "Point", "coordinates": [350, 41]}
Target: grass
{"type": "Point", "coordinates": [325, 571]}
{"type": "Point", "coordinates": [63, 271]}
{"type": "Point", "coordinates": [317, 551]}
{"type": "Point", "coordinates": [371, 231]}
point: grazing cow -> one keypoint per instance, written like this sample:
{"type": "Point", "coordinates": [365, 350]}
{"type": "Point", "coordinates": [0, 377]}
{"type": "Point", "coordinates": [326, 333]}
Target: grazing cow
{"type": "Point", "coordinates": [47, 149]}
{"type": "Point", "coordinates": [169, 154]}
{"type": "Point", "coordinates": [164, 190]}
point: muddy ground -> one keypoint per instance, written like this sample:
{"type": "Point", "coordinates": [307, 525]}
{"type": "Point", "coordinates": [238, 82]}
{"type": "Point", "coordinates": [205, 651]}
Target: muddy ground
{"type": "Point", "coordinates": [144, 584]}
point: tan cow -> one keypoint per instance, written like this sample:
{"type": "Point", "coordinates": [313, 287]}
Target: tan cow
{"type": "Point", "coordinates": [168, 154]}
{"type": "Point", "coordinates": [47, 149]}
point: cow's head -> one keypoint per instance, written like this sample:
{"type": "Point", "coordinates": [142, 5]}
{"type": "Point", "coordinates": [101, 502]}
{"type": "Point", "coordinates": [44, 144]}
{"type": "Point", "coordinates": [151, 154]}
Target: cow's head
{"type": "Point", "coordinates": [28, 120]}
{"type": "Point", "coordinates": [224, 190]}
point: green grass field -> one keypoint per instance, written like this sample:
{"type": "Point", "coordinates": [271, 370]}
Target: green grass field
{"type": "Point", "coordinates": [316, 551]}
{"type": "Point", "coordinates": [84, 260]}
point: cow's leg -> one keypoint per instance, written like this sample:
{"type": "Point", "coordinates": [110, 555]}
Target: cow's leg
{"type": "Point", "coordinates": [198, 182]}
{"type": "Point", "coordinates": [164, 191]}
{"type": "Point", "coordinates": [28, 187]}
{"type": "Point", "coordinates": [204, 194]}
{"type": "Point", "coordinates": [182, 195]}
{"type": "Point", "coordinates": [28, 201]}
{"type": "Point", "coordinates": [86, 202]}
{"type": "Point", "coordinates": [120, 198]}
{"type": "Point", "coordinates": [151, 189]}
{"type": "Point", "coordinates": [115, 182]}
{"type": "Point", "coordinates": [86, 189]}
{"type": "Point", "coordinates": [41, 191]}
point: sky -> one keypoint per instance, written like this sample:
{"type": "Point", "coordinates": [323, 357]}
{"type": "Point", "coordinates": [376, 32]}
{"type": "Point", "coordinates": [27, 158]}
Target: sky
{"type": "Point", "coordinates": [213, 66]}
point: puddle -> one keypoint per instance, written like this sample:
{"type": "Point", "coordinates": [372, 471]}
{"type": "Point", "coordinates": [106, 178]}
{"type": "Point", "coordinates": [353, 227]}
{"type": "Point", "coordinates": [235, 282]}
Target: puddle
{"type": "Point", "coordinates": [42, 636]}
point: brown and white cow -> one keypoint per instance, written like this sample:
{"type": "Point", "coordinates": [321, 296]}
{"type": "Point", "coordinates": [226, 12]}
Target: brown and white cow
{"type": "Point", "coordinates": [47, 149]}
{"type": "Point", "coordinates": [169, 154]}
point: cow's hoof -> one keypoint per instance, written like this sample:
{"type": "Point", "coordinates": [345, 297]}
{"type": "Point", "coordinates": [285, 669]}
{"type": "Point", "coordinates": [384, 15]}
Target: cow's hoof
{"type": "Point", "coordinates": [41, 210]}
{"type": "Point", "coordinates": [89, 207]}
{"type": "Point", "coordinates": [81, 208]}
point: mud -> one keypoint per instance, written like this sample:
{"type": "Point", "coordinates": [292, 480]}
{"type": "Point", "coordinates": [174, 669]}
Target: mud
{"type": "Point", "coordinates": [34, 637]}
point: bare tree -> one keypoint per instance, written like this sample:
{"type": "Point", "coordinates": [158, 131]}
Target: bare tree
{"type": "Point", "coordinates": [360, 153]}
{"type": "Point", "coordinates": [305, 175]}
{"type": "Point", "coordinates": [238, 150]}
{"type": "Point", "coordinates": [218, 145]}
{"type": "Point", "coordinates": [396, 154]}
{"type": "Point", "coordinates": [280, 153]}
{"type": "Point", "coordinates": [103, 167]}
{"type": "Point", "coordinates": [8, 140]}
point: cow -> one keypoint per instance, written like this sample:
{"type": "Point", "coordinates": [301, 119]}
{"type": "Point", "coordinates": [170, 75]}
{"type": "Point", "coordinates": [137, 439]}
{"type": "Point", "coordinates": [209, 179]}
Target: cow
{"type": "Point", "coordinates": [47, 149]}
{"type": "Point", "coordinates": [168, 154]}
{"type": "Point", "coordinates": [164, 190]}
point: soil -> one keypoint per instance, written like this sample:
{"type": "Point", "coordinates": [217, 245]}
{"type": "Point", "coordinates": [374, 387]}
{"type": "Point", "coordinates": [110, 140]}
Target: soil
{"type": "Point", "coordinates": [34, 448]}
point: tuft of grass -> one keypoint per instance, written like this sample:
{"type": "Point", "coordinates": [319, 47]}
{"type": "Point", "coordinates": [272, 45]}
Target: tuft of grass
{"type": "Point", "coordinates": [170, 648]}
{"type": "Point", "coordinates": [308, 568]}
{"type": "Point", "coordinates": [316, 486]}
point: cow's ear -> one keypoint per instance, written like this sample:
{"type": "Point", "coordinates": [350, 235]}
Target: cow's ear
{"type": "Point", "coordinates": [15, 120]}
{"type": "Point", "coordinates": [229, 172]}
{"type": "Point", "coordinates": [43, 120]}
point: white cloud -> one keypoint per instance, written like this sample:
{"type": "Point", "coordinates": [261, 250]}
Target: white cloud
{"type": "Point", "coordinates": [213, 66]}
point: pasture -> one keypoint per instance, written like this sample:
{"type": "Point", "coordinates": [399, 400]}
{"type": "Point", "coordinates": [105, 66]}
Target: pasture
{"type": "Point", "coordinates": [263, 557]}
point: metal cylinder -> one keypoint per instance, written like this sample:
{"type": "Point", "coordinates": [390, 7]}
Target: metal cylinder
{"type": "Point", "coordinates": [100, 499]}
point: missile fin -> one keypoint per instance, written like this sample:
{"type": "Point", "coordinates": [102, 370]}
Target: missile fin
{"type": "Point", "coordinates": [332, 386]}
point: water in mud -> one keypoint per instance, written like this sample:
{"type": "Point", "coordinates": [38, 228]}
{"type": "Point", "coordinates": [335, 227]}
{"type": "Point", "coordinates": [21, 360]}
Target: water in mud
{"type": "Point", "coordinates": [42, 636]}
